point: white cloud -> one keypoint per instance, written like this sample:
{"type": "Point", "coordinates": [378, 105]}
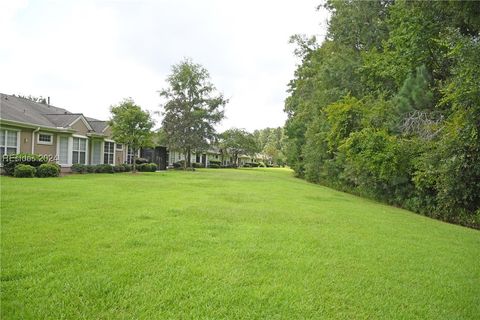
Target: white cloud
{"type": "Point", "coordinates": [88, 55]}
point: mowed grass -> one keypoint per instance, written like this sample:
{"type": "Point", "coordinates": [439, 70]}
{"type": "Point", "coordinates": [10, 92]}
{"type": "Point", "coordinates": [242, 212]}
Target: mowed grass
{"type": "Point", "coordinates": [225, 244]}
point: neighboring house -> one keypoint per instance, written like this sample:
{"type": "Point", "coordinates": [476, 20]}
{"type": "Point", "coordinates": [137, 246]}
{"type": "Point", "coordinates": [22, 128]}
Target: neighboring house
{"type": "Point", "coordinates": [201, 157]}
{"type": "Point", "coordinates": [66, 137]}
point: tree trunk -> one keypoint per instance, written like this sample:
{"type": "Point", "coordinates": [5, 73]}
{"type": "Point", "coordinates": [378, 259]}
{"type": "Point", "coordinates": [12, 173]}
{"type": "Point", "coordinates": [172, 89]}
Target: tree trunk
{"type": "Point", "coordinates": [189, 161]}
{"type": "Point", "coordinates": [185, 153]}
{"type": "Point", "coordinates": [134, 164]}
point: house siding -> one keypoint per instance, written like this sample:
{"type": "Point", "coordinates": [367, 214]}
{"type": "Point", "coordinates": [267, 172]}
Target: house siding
{"type": "Point", "coordinates": [80, 128]}
{"type": "Point", "coordinates": [26, 141]}
{"type": "Point", "coordinates": [45, 149]}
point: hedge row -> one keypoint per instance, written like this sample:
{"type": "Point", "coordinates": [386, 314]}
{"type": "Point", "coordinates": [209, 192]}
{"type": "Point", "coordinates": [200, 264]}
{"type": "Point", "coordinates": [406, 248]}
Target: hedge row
{"type": "Point", "coordinates": [107, 168]}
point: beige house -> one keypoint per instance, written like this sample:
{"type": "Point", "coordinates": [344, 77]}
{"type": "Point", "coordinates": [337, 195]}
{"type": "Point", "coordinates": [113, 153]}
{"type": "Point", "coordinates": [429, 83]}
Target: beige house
{"type": "Point", "coordinates": [66, 137]}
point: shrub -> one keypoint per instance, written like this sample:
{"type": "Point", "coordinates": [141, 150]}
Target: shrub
{"type": "Point", "coordinates": [147, 167]}
{"type": "Point", "coordinates": [91, 168]}
{"type": "Point", "coordinates": [24, 171]}
{"type": "Point", "coordinates": [119, 168]}
{"type": "Point", "coordinates": [250, 165]}
{"type": "Point", "coordinates": [179, 164]}
{"type": "Point", "coordinates": [104, 168]}
{"type": "Point", "coordinates": [214, 165]}
{"type": "Point", "coordinates": [11, 160]}
{"type": "Point", "coordinates": [127, 167]}
{"type": "Point", "coordinates": [48, 170]}
{"type": "Point", "coordinates": [141, 160]}
{"type": "Point", "coordinates": [198, 165]}
{"type": "Point", "coordinates": [78, 168]}
{"type": "Point", "coordinates": [215, 162]}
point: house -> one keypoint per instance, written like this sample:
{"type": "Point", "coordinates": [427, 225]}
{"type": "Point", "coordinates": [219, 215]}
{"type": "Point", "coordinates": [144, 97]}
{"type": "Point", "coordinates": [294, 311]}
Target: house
{"type": "Point", "coordinates": [65, 137]}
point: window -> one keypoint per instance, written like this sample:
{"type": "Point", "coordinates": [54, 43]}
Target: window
{"type": "Point", "coordinates": [96, 151]}
{"type": "Point", "coordinates": [8, 142]}
{"type": "Point", "coordinates": [45, 138]}
{"type": "Point", "coordinates": [108, 152]}
{"type": "Point", "coordinates": [79, 151]}
{"type": "Point", "coordinates": [130, 156]}
{"type": "Point", "coordinates": [197, 160]}
{"type": "Point", "coordinates": [119, 146]}
{"type": "Point", "coordinates": [63, 150]}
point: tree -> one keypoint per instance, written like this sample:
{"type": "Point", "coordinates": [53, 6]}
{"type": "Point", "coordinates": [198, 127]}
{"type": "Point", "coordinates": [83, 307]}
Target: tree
{"type": "Point", "coordinates": [191, 110]}
{"type": "Point", "coordinates": [36, 99]}
{"type": "Point", "coordinates": [131, 126]}
{"type": "Point", "coordinates": [237, 142]}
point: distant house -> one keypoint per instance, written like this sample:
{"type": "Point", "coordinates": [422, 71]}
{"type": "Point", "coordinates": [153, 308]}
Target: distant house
{"type": "Point", "coordinates": [66, 137]}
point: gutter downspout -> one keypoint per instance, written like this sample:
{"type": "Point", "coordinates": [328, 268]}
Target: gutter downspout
{"type": "Point", "coordinates": [33, 139]}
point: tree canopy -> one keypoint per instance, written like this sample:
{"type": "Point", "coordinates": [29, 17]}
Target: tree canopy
{"type": "Point", "coordinates": [388, 105]}
{"type": "Point", "coordinates": [131, 126]}
{"type": "Point", "coordinates": [191, 110]}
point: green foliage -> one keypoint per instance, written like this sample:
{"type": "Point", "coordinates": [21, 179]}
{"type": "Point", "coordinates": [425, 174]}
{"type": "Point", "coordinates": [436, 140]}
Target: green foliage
{"type": "Point", "coordinates": [191, 110]}
{"type": "Point", "coordinates": [236, 142]}
{"type": "Point", "coordinates": [131, 126]}
{"type": "Point", "coordinates": [24, 171]}
{"type": "Point", "coordinates": [10, 161]}
{"type": "Point", "coordinates": [78, 168]}
{"type": "Point", "coordinates": [147, 167]}
{"type": "Point", "coordinates": [104, 168]}
{"type": "Point", "coordinates": [119, 168]}
{"type": "Point", "coordinates": [388, 106]}
{"type": "Point", "coordinates": [48, 170]}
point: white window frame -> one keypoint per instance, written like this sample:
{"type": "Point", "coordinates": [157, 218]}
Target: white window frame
{"type": "Point", "coordinates": [113, 154]}
{"type": "Point", "coordinates": [117, 148]}
{"type": "Point", "coordinates": [69, 150]}
{"type": "Point", "coordinates": [86, 148]}
{"type": "Point", "coordinates": [4, 143]}
{"type": "Point", "coordinates": [45, 134]}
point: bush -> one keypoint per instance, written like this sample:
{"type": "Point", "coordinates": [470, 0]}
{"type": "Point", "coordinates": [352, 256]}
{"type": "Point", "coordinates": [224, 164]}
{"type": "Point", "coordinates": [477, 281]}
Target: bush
{"type": "Point", "coordinates": [10, 161]}
{"type": "Point", "coordinates": [198, 165]}
{"type": "Point", "coordinates": [126, 167]}
{"type": "Point", "coordinates": [179, 164]}
{"type": "Point", "coordinates": [48, 170]}
{"type": "Point", "coordinates": [79, 168]}
{"type": "Point", "coordinates": [250, 164]}
{"type": "Point", "coordinates": [119, 168]}
{"type": "Point", "coordinates": [104, 168]}
{"type": "Point", "coordinates": [24, 171]}
{"type": "Point", "coordinates": [214, 165]}
{"type": "Point", "coordinates": [147, 167]}
{"type": "Point", "coordinates": [91, 168]}
{"type": "Point", "coordinates": [215, 162]}
{"type": "Point", "coordinates": [141, 160]}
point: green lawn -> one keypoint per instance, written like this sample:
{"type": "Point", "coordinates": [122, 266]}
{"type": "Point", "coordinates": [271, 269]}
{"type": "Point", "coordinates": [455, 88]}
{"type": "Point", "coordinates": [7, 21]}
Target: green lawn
{"type": "Point", "coordinates": [216, 244]}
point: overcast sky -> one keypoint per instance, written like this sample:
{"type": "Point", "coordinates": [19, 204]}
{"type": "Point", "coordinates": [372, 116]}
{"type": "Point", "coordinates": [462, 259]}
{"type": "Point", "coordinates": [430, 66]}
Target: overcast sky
{"type": "Point", "coordinates": [88, 55]}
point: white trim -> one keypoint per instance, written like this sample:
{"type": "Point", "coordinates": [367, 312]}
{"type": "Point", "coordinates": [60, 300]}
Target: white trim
{"type": "Point", "coordinates": [116, 147]}
{"type": "Point", "coordinates": [85, 122]}
{"type": "Point", "coordinates": [105, 128]}
{"type": "Point", "coordinates": [4, 143]}
{"type": "Point", "coordinates": [69, 150]}
{"type": "Point", "coordinates": [45, 134]}
{"type": "Point", "coordinates": [79, 136]}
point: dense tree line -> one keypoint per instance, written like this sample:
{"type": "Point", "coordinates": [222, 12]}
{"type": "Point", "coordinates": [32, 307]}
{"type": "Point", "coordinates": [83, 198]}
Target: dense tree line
{"type": "Point", "coordinates": [388, 106]}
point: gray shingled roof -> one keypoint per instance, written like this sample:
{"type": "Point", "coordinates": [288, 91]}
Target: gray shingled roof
{"type": "Point", "coordinates": [26, 111]}
{"type": "Point", "coordinates": [62, 120]}
{"type": "Point", "coordinates": [98, 125]}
